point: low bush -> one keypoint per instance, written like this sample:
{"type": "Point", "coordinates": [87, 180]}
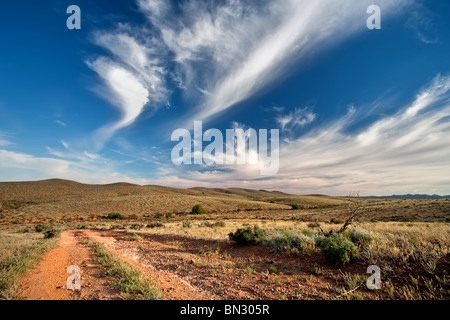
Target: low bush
{"type": "Point", "coordinates": [198, 209]}
{"type": "Point", "coordinates": [114, 216]}
{"type": "Point", "coordinates": [338, 249]}
{"type": "Point", "coordinates": [248, 236]}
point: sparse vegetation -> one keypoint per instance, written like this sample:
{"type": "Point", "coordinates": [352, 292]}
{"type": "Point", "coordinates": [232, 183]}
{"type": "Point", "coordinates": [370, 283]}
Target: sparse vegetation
{"type": "Point", "coordinates": [408, 238]}
{"type": "Point", "coordinates": [130, 281]}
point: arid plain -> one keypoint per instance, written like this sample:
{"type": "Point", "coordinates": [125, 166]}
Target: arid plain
{"type": "Point", "coordinates": [151, 242]}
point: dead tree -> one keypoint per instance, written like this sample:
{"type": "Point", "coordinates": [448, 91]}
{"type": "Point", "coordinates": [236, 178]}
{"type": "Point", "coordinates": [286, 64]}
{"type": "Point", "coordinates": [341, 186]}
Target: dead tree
{"type": "Point", "coordinates": [355, 206]}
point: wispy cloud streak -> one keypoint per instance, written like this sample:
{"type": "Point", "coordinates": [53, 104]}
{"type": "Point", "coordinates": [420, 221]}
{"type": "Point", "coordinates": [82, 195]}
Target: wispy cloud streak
{"type": "Point", "coordinates": [402, 153]}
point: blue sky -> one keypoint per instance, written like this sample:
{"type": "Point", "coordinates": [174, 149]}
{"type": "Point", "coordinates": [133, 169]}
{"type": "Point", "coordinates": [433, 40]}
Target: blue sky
{"type": "Point", "coordinates": [357, 109]}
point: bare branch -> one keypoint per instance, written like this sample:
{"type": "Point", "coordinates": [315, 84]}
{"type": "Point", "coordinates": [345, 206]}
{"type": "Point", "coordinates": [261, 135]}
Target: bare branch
{"type": "Point", "coordinates": [355, 206]}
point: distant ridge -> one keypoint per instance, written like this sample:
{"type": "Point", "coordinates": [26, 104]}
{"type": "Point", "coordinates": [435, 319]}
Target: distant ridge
{"type": "Point", "coordinates": [250, 193]}
{"type": "Point", "coordinates": [121, 184]}
{"type": "Point", "coordinates": [53, 183]}
{"type": "Point", "coordinates": [413, 196]}
{"type": "Point", "coordinates": [69, 183]}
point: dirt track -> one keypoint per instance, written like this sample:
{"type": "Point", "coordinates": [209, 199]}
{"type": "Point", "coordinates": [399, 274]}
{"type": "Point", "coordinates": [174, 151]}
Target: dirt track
{"type": "Point", "coordinates": [48, 280]}
{"type": "Point", "coordinates": [184, 269]}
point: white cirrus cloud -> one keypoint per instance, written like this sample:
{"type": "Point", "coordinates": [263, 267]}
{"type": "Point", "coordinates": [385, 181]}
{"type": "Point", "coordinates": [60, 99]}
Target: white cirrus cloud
{"type": "Point", "coordinates": [223, 52]}
{"type": "Point", "coordinates": [297, 118]}
{"type": "Point", "coordinates": [237, 48]}
{"type": "Point", "coordinates": [406, 152]}
{"type": "Point", "coordinates": [125, 91]}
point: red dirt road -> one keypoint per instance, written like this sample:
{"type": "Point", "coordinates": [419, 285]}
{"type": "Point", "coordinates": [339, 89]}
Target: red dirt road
{"type": "Point", "coordinates": [48, 280]}
{"type": "Point", "coordinates": [183, 268]}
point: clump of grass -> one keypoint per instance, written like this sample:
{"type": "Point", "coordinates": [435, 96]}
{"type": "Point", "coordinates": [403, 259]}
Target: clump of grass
{"type": "Point", "coordinates": [248, 236]}
{"type": "Point", "coordinates": [353, 281]}
{"type": "Point", "coordinates": [295, 206]}
{"type": "Point", "coordinates": [316, 270]}
{"type": "Point", "coordinates": [198, 209]}
{"type": "Point", "coordinates": [130, 281]}
{"type": "Point", "coordinates": [361, 237]}
{"type": "Point", "coordinates": [114, 216]}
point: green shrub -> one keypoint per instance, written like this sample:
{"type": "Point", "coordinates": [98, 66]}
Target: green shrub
{"type": "Point", "coordinates": [198, 209]}
{"type": "Point", "coordinates": [338, 249]}
{"type": "Point", "coordinates": [248, 236]}
{"type": "Point", "coordinates": [114, 216]}
{"type": "Point", "coordinates": [295, 206]}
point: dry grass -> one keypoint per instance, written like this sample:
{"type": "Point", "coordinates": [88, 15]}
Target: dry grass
{"type": "Point", "coordinates": [19, 253]}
